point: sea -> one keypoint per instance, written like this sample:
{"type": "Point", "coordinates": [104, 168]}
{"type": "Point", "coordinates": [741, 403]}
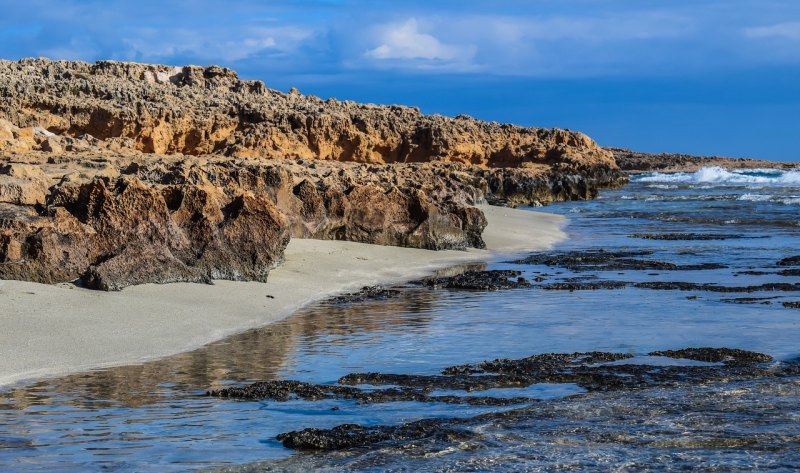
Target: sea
{"type": "Point", "coordinates": [735, 229]}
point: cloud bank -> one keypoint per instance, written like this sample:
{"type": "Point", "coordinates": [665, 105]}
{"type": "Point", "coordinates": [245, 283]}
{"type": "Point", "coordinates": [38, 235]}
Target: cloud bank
{"type": "Point", "coordinates": [568, 38]}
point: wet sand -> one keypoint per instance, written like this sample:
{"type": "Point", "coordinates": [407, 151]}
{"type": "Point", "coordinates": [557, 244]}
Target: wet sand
{"type": "Point", "coordinates": [56, 330]}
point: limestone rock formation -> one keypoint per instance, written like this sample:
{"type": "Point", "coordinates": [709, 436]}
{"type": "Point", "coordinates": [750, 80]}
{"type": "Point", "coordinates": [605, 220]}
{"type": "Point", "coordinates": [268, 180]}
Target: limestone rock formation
{"type": "Point", "coordinates": [196, 111]}
{"type": "Point", "coordinates": [116, 233]}
{"type": "Point", "coordinates": [121, 173]}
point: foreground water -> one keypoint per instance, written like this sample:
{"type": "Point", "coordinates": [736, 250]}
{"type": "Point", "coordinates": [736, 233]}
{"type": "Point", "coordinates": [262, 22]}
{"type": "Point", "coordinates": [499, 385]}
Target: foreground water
{"type": "Point", "coordinates": [156, 417]}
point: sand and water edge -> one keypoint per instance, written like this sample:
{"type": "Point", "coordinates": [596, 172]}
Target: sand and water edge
{"type": "Point", "coordinates": [54, 330]}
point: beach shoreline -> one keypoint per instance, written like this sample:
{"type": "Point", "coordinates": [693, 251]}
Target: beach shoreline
{"type": "Point", "coordinates": [55, 330]}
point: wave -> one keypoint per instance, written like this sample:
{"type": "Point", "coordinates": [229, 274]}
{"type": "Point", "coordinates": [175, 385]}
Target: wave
{"type": "Point", "coordinates": [783, 199]}
{"type": "Point", "coordinates": [720, 176]}
{"type": "Point", "coordinates": [662, 186]}
{"type": "Point", "coordinates": [756, 197]}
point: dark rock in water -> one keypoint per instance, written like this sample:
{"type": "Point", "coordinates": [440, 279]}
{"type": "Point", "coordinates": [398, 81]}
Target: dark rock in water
{"type": "Point", "coordinates": [378, 293]}
{"type": "Point", "coordinates": [687, 236]}
{"type": "Point", "coordinates": [593, 371]}
{"type": "Point", "coordinates": [749, 300]}
{"type": "Point", "coordinates": [792, 304]}
{"type": "Point", "coordinates": [669, 286]}
{"type": "Point", "coordinates": [601, 260]}
{"type": "Point", "coordinates": [584, 286]}
{"type": "Point", "coordinates": [790, 261]}
{"type": "Point", "coordinates": [448, 381]}
{"type": "Point", "coordinates": [790, 272]}
{"type": "Point", "coordinates": [753, 273]}
{"type": "Point", "coordinates": [479, 280]}
{"type": "Point", "coordinates": [282, 391]}
{"type": "Point", "coordinates": [416, 389]}
{"type": "Point", "coordinates": [537, 363]}
{"type": "Point", "coordinates": [729, 356]}
{"type": "Point", "coordinates": [353, 435]}
{"type": "Point", "coordinates": [688, 286]}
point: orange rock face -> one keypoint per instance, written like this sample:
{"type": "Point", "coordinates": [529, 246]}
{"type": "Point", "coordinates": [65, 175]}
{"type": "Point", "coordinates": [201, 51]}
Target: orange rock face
{"type": "Point", "coordinates": [120, 174]}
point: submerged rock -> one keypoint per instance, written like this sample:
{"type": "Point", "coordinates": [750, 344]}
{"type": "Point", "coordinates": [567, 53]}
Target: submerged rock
{"type": "Point", "coordinates": [596, 371]}
{"type": "Point", "coordinates": [378, 293]}
{"type": "Point", "coordinates": [584, 286]}
{"type": "Point", "coordinates": [285, 390]}
{"type": "Point", "coordinates": [492, 280]}
{"type": "Point", "coordinates": [790, 261]}
{"type": "Point", "coordinates": [729, 356]}
{"type": "Point", "coordinates": [353, 435]}
{"type": "Point", "coordinates": [600, 260]}
{"type": "Point", "coordinates": [687, 286]}
{"type": "Point", "coordinates": [749, 300]}
{"type": "Point", "coordinates": [687, 236]}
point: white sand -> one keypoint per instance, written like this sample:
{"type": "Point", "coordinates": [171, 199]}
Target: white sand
{"type": "Point", "coordinates": [54, 330]}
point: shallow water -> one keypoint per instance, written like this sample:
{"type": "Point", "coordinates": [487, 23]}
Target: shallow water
{"type": "Point", "coordinates": [155, 416]}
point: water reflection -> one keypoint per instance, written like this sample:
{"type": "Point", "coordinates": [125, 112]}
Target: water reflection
{"type": "Point", "coordinates": [259, 354]}
{"type": "Point", "coordinates": [156, 413]}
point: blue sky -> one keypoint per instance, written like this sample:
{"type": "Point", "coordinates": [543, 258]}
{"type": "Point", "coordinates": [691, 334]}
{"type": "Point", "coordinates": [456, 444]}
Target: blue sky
{"type": "Point", "coordinates": [713, 77]}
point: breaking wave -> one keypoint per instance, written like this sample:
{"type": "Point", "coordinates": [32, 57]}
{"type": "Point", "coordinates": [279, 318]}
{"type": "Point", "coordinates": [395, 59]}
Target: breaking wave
{"type": "Point", "coordinates": [786, 200]}
{"type": "Point", "coordinates": [720, 176]}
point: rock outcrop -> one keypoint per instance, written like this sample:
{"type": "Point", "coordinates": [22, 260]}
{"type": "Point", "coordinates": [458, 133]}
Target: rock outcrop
{"type": "Point", "coordinates": [114, 233]}
{"type": "Point", "coordinates": [196, 111]}
{"type": "Point", "coordinates": [635, 161]}
{"type": "Point", "coordinates": [120, 173]}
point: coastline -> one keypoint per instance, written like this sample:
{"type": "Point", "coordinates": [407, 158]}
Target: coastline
{"type": "Point", "coordinates": [60, 329]}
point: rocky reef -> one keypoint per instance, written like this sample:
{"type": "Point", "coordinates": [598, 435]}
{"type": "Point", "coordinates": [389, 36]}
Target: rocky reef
{"type": "Point", "coordinates": [121, 173]}
{"type": "Point", "coordinates": [595, 372]}
{"type": "Point", "coordinates": [634, 162]}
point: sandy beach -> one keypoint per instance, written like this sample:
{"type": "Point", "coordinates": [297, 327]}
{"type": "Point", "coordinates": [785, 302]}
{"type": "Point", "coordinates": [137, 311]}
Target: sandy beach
{"type": "Point", "coordinates": [56, 330]}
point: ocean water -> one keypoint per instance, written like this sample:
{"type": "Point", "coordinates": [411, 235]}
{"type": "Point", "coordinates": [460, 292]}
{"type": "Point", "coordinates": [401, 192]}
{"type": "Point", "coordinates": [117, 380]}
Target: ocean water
{"type": "Point", "coordinates": [155, 417]}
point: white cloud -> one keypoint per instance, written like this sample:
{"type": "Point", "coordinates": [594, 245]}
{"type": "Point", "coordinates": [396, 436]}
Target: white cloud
{"type": "Point", "coordinates": [405, 41]}
{"type": "Point", "coordinates": [519, 45]}
{"type": "Point", "coordinates": [789, 30]}
{"type": "Point", "coordinates": [224, 45]}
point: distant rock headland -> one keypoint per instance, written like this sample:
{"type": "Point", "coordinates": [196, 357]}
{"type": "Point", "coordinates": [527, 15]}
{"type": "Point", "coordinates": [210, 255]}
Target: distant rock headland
{"type": "Point", "coordinates": [120, 173]}
{"type": "Point", "coordinates": [634, 162]}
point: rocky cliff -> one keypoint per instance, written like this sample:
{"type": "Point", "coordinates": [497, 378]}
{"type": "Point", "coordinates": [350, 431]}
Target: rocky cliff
{"type": "Point", "coordinates": [120, 173]}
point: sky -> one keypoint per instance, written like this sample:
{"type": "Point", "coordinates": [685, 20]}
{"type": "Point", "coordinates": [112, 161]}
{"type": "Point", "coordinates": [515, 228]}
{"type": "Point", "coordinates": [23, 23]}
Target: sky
{"type": "Point", "coordinates": [715, 77]}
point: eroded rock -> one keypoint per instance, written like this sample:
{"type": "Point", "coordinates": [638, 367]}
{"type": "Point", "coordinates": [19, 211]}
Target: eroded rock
{"type": "Point", "coordinates": [687, 236]}
{"type": "Point", "coordinates": [479, 280]}
{"type": "Point", "coordinates": [353, 435]}
{"type": "Point", "coordinates": [790, 261]}
{"type": "Point", "coordinates": [729, 356]}
{"type": "Point", "coordinates": [596, 371]}
{"type": "Point", "coordinates": [162, 169]}
{"type": "Point", "coordinates": [123, 232]}
{"type": "Point", "coordinates": [601, 260]}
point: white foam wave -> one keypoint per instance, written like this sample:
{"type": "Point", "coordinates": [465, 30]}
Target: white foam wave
{"type": "Point", "coordinates": [720, 176]}
{"type": "Point", "coordinates": [662, 186]}
{"type": "Point", "coordinates": [783, 199]}
{"type": "Point", "coordinates": [756, 197]}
